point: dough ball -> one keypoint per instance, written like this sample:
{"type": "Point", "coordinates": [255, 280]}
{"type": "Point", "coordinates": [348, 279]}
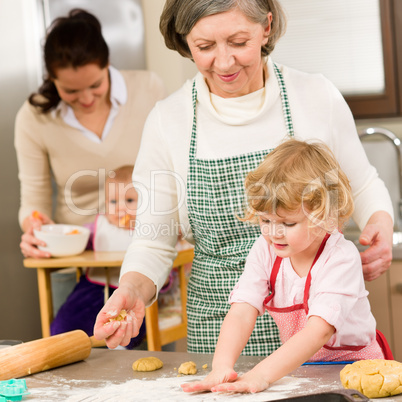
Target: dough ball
{"type": "Point", "coordinates": [188, 368]}
{"type": "Point", "coordinates": [120, 317]}
{"type": "Point", "coordinates": [373, 378]}
{"type": "Point", "coordinates": [147, 364]}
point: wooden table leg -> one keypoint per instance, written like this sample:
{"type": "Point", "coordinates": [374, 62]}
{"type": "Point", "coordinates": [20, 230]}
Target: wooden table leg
{"type": "Point", "coordinates": [152, 328]}
{"type": "Point", "coordinates": [45, 300]}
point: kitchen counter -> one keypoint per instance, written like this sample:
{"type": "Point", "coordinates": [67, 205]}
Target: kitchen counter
{"type": "Point", "coordinates": [106, 375]}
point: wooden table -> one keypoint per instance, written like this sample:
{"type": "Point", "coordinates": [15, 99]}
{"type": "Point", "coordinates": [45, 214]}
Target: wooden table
{"type": "Point", "coordinates": [106, 375]}
{"type": "Point", "coordinates": [45, 266]}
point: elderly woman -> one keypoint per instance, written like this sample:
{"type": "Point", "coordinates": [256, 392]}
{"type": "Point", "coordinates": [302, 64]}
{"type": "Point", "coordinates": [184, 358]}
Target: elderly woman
{"type": "Point", "coordinates": [198, 146]}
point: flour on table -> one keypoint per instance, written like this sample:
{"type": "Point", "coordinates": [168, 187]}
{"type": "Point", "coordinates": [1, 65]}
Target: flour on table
{"type": "Point", "coordinates": [168, 389]}
{"type": "Point", "coordinates": [163, 389]}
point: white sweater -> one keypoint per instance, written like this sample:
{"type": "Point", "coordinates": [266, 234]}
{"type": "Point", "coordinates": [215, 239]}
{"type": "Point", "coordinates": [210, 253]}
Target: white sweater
{"type": "Point", "coordinates": [230, 127]}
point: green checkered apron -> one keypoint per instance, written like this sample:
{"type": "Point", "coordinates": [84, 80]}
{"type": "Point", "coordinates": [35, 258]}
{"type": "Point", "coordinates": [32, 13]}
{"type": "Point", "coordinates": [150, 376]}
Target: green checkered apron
{"type": "Point", "coordinates": [215, 197]}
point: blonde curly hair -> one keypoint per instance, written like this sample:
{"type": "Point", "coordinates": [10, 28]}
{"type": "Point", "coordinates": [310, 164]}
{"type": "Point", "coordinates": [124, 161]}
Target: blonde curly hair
{"type": "Point", "coordinates": [300, 174]}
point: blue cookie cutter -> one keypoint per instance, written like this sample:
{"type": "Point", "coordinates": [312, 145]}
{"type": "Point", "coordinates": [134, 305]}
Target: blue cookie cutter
{"type": "Point", "coordinates": [13, 390]}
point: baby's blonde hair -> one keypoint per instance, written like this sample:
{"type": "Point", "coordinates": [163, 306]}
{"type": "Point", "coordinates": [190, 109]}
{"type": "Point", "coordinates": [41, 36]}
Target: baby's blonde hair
{"type": "Point", "coordinates": [301, 174]}
{"type": "Point", "coordinates": [122, 174]}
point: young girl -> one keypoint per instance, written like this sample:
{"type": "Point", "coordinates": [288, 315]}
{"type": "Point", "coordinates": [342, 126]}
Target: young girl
{"type": "Point", "coordinates": [301, 269]}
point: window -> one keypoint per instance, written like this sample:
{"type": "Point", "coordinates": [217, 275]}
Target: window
{"type": "Point", "coordinates": [353, 43]}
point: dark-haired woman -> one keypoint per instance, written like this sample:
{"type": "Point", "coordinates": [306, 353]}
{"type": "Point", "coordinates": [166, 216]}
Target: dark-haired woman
{"type": "Point", "coordinates": [86, 119]}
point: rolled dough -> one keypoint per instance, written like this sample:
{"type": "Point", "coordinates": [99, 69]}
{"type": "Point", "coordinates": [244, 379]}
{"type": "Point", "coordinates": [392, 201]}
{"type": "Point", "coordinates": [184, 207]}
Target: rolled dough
{"type": "Point", "coordinates": [147, 364]}
{"type": "Point", "coordinates": [373, 378]}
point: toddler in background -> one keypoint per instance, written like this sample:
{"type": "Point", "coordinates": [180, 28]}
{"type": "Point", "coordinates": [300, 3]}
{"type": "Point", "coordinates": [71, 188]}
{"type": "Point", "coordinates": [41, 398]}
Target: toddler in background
{"type": "Point", "coordinates": [301, 270]}
{"type": "Point", "coordinates": [109, 232]}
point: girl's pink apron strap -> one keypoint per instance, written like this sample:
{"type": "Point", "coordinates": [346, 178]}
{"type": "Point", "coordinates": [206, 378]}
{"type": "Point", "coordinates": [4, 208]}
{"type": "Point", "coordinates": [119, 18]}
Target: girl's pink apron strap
{"type": "Point", "coordinates": [382, 341]}
{"type": "Point", "coordinates": [308, 279]}
{"type": "Point", "coordinates": [272, 279]}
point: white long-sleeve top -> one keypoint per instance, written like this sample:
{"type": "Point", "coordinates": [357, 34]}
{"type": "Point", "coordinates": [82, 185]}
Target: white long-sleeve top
{"type": "Point", "coordinates": [235, 126]}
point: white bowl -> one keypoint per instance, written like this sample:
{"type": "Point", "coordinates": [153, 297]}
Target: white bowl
{"type": "Point", "coordinates": [63, 240]}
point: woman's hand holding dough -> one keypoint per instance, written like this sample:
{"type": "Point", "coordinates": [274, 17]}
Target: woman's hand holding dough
{"type": "Point", "coordinates": [134, 291]}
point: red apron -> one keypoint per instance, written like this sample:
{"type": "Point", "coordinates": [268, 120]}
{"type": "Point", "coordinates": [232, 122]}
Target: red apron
{"type": "Point", "coordinates": [292, 319]}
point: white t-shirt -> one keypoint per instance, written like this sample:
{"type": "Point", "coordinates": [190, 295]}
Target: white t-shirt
{"type": "Point", "coordinates": [337, 292]}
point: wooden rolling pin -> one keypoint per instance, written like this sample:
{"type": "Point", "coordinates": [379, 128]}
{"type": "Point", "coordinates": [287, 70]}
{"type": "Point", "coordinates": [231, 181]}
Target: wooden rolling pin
{"type": "Point", "coordinates": [44, 354]}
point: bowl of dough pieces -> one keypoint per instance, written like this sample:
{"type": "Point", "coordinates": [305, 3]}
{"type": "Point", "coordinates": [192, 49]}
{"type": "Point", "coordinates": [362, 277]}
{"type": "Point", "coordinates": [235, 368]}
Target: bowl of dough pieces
{"type": "Point", "coordinates": [63, 240]}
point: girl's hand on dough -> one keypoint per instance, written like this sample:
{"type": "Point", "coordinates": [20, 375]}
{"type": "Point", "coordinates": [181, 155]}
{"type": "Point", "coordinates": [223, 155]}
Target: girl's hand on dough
{"type": "Point", "coordinates": [215, 377]}
{"type": "Point", "coordinates": [250, 382]}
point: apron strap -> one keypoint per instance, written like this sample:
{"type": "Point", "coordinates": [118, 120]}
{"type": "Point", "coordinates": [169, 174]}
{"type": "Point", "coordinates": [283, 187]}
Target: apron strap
{"type": "Point", "coordinates": [285, 102]}
{"type": "Point", "coordinates": [275, 270]}
{"type": "Point", "coordinates": [308, 280]}
{"type": "Point", "coordinates": [193, 141]}
{"type": "Point", "coordinates": [285, 108]}
{"type": "Point", "coordinates": [382, 341]}
{"type": "Point", "coordinates": [272, 279]}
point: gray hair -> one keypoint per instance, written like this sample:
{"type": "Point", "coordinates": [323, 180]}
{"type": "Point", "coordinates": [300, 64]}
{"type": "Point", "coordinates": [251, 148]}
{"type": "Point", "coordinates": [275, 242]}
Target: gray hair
{"type": "Point", "coordinates": [179, 17]}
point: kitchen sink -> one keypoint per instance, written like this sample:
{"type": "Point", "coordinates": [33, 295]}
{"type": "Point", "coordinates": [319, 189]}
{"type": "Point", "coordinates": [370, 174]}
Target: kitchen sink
{"type": "Point", "coordinates": [384, 151]}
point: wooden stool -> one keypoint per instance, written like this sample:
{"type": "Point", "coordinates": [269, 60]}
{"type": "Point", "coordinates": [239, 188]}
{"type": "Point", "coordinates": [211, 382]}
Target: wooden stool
{"type": "Point", "coordinates": [157, 337]}
{"type": "Point", "coordinates": [96, 259]}
{"type": "Point", "coordinates": [45, 266]}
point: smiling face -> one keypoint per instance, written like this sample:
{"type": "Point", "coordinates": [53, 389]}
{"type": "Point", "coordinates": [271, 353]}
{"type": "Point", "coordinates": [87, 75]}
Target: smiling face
{"type": "Point", "coordinates": [121, 203]}
{"type": "Point", "coordinates": [226, 49]}
{"type": "Point", "coordinates": [291, 234]}
{"type": "Point", "coordinates": [83, 88]}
